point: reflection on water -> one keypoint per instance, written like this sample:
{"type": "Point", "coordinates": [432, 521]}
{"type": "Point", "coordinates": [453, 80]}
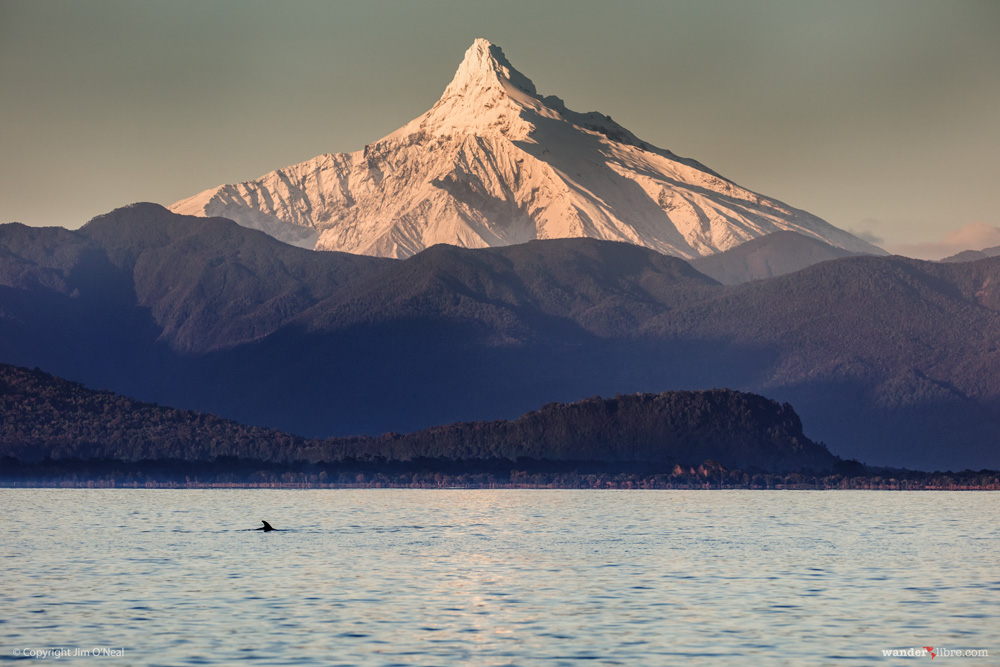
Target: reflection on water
{"type": "Point", "coordinates": [383, 577]}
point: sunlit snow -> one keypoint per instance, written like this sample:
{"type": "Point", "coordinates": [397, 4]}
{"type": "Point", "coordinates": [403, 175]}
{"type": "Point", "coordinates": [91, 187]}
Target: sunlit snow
{"type": "Point", "coordinates": [494, 163]}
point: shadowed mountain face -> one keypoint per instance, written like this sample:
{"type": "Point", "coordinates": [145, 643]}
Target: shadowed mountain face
{"type": "Point", "coordinates": [888, 360]}
{"type": "Point", "coordinates": [216, 286]}
{"type": "Point", "coordinates": [768, 256]}
{"type": "Point", "coordinates": [973, 255]}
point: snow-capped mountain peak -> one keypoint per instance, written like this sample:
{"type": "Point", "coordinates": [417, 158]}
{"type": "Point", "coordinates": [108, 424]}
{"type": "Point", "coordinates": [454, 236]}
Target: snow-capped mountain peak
{"type": "Point", "coordinates": [486, 95]}
{"type": "Point", "coordinates": [483, 67]}
{"type": "Point", "coordinates": [493, 163]}
{"type": "Point", "coordinates": [487, 90]}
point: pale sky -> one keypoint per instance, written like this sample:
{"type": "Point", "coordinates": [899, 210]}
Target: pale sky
{"type": "Point", "coordinates": [880, 116]}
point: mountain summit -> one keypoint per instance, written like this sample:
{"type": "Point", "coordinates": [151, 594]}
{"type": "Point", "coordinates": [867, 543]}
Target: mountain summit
{"type": "Point", "coordinates": [494, 163]}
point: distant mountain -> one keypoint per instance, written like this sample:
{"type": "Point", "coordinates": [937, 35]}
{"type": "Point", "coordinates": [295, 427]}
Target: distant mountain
{"type": "Point", "coordinates": [889, 360]}
{"type": "Point", "coordinates": [44, 416]}
{"type": "Point", "coordinates": [773, 255]}
{"type": "Point", "coordinates": [495, 163]}
{"type": "Point", "coordinates": [973, 255]}
{"type": "Point", "coordinates": [215, 286]}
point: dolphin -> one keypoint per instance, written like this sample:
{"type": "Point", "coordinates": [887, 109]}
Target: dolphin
{"type": "Point", "coordinates": [266, 527]}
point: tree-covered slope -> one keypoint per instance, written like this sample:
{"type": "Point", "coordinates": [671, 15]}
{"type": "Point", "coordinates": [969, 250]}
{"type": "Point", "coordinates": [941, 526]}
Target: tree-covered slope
{"type": "Point", "coordinates": [44, 416]}
{"type": "Point", "coordinates": [889, 360]}
{"type": "Point", "coordinates": [738, 429]}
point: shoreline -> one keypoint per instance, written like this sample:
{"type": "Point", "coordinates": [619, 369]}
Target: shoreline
{"type": "Point", "coordinates": [228, 473]}
{"type": "Point", "coordinates": [445, 486]}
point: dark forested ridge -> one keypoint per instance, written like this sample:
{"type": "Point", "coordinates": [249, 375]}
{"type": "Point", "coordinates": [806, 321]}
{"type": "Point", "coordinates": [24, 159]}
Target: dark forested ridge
{"type": "Point", "coordinates": [888, 360]}
{"type": "Point", "coordinates": [740, 430]}
{"type": "Point", "coordinates": [43, 416]}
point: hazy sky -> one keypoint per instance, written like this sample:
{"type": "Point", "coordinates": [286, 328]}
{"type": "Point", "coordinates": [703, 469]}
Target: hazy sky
{"type": "Point", "coordinates": [881, 116]}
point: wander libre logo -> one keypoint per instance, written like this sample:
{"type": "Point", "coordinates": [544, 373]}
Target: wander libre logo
{"type": "Point", "coordinates": [932, 652]}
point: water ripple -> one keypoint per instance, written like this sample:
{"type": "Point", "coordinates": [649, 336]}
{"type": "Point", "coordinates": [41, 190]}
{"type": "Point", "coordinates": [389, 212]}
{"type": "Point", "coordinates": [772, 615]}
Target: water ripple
{"type": "Point", "coordinates": [381, 577]}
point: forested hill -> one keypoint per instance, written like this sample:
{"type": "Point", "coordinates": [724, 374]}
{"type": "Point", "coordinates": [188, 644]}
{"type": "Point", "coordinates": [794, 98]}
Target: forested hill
{"type": "Point", "coordinates": [739, 429]}
{"type": "Point", "coordinates": [41, 415]}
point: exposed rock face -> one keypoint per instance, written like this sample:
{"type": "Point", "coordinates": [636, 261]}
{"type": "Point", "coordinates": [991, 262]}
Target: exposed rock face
{"type": "Point", "coordinates": [494, 163]}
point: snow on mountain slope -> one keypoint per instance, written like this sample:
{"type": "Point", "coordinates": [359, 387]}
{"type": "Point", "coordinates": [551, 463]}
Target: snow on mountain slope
{"type": "Point", "coordinates": [494, 163]}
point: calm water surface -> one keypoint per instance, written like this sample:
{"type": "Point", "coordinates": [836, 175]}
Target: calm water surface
{"type": "Point", "coordinates": [400, 577]}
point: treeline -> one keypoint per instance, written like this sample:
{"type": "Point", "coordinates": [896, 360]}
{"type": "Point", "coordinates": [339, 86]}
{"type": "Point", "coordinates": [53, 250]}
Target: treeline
{"type": "Point", "coordinates": [46, 417]}
{"type": "Point", "coordinates": [438, 474]}
{"type": "Point", "coordinates": [743, 430]}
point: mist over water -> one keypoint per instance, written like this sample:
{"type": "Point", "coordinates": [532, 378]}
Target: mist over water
{"type": "Point", "coordinates": [401, 577]}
